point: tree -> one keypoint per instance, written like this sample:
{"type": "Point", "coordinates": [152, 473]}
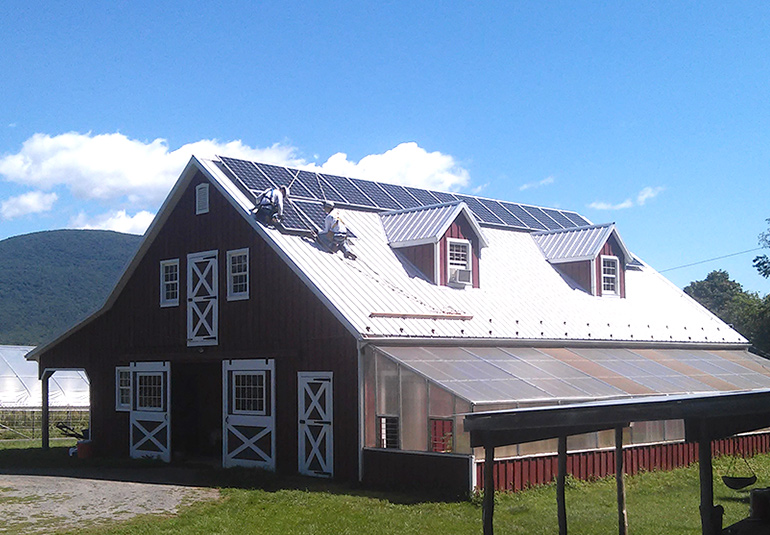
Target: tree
{"type": "Point", "coordinates": [748, 313]}
{"type": "Point", "coordinates": [762, 263]}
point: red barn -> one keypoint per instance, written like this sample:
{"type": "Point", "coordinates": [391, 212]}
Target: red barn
{"type": "Point", "coordinates": [228, 340]}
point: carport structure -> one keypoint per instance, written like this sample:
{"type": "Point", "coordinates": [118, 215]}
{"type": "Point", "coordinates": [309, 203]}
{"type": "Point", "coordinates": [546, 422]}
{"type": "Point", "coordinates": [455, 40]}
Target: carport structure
{"type": "Point", "coordinates": [706, 418]}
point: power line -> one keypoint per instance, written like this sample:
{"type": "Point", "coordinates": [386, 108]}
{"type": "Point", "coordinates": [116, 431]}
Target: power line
{"type": "Point", "coordinates": [712, 259]}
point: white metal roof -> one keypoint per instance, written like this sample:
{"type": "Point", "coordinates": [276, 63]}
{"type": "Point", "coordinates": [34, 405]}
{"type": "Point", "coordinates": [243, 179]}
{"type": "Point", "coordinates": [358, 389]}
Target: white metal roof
{"type": "Point", "coordinates": [582, 243]}
{"type": "Point", "coordinates": [20, 387]}
{"type": "Point", "coordinates": [424, 225]}
{"type": "Point", "coordinates": [522, 297]}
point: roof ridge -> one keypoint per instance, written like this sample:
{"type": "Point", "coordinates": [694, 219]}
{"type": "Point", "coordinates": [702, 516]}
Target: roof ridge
{"type": "Point", "coordinates": [572, 229]}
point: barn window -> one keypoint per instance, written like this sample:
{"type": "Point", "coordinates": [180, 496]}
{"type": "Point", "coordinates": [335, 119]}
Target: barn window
{"type": "Point", "coordinates": [149, 392]}
{"type": "Point", "coordinates": [610, 272]}
{"type": "Point", "coordinates": [249, 393]}
{"type": "Point", "coordinates": [441, 435]}
{"type": "Point", "coordinates": [389, 432]}
{"type": "Point", "coordinates": [237, 274]}
{"type": "Point", "coordinates": [459, 262]}
{"type": "Point", "coordinates": [169, 283]}
{"type": "Point", "coordinates": [201, 199]}
{"type": "Point", "coordinates": [122, 388]}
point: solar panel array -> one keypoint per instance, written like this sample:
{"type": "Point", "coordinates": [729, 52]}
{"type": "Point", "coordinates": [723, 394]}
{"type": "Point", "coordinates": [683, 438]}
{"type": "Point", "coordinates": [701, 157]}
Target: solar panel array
{"type": "Point", "coordinates": [308, 191]}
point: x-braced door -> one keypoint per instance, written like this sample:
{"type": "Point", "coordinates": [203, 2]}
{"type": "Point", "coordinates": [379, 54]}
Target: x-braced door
{"type": "Point", "coordinates": [202, 299]}
{"type": "Point", "coordinates": [316, 441]}
{"type": "Point", "coordinates": [249, 413]}
{"type": "Point", "coordinates": [150, 415]}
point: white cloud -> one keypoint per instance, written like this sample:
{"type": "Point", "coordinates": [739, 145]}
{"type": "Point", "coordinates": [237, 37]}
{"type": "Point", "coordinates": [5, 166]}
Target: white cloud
{"type": "Point", "coordinates": [407, 164]}
{"type": "Point", "coordinates": [648, 193]}
{"type": "Point", "coordinates": [545, 182]}
{"type": "Point", "coordinates": [642, 197]}
{"type": "Point", "coordinates": [33, 202]}
{"type": "Point", "coordinates": [118, 221]}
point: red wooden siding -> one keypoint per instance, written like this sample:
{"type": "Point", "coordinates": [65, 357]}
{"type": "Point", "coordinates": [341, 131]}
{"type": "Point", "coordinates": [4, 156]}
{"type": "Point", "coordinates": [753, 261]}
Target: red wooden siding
{"type": "Point", "coordinates": [424, 259]}
{"type": "Point", "coordinates": [519, 473]}
{"type": "Point", "coordinates": [441, 473]}
{"type": "Point", "coordinates": [282, 320]}
{"type": "Point", "coordinates": [462, 230]}
{"type": "Point", "coordinates": [580, 272]}
{"type": "Point", "coordinates": [611, 248]}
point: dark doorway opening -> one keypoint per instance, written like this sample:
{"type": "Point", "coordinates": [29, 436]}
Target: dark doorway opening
{"type": "Point", "coordinates": [196, 412]}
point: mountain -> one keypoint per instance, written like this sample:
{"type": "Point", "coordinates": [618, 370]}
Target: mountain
{"type": "Point", "coordinates": [51, 280]}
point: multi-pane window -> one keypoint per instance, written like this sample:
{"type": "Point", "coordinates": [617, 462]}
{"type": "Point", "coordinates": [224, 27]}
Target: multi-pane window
{"type": "Point", "coordinates": [122, 388]}
{"type": "Point", "coordinates": [610, 283]}
{"type": "Point", "coordinates": [441, 435]}
{"type": "Point", "coordinates": [459, 261]}
{"type": "Point", "coordinates": [238, 274]}
{"type": "Point", "coordinates": [169, 283]}
{"type": "Point", "coordinates": [249, 393]}
{"type": "Point", "coordinates": [149, 391]}
{"type": "Point", "coordinates": [389, 432]}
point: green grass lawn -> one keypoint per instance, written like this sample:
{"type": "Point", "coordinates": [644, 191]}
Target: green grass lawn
{"type": "Point", "coordinates": [255, 502]}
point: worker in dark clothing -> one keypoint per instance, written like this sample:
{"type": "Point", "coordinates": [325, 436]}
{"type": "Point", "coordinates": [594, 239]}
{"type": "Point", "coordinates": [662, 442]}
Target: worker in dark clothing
{"type": "Point", "coordinates": [333, 237]}
{"type": "Point", "coordinates": [268, 208]}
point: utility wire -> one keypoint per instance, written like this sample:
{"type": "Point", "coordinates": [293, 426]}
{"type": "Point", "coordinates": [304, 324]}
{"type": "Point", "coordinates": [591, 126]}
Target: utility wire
{"type": "Point", "coordinates": [711, 259]}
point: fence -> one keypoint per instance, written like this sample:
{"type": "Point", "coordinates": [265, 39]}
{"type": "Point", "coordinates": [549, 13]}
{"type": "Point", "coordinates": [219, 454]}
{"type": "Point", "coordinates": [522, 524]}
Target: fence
{"type": "Point", "coordinates": [27, 423]}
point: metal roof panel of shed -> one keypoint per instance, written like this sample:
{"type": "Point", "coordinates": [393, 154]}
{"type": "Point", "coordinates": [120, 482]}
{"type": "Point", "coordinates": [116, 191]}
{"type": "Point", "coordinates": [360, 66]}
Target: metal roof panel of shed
{"type": "Point", "coordinates": [576, 244]}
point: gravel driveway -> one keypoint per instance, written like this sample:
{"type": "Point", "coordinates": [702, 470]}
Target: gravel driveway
{"type": "Point", "coordinates": [31, 503]}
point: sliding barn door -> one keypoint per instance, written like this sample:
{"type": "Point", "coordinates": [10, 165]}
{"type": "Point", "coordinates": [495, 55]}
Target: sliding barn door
{"type": "Point", "coordinates": [316, 444]}
{"type": "Point", "coordinates": [202, 299]}
{"type": "Point", "coordinates": [150, 410]}
{"type": "Point", "coordinates": [249, 413]}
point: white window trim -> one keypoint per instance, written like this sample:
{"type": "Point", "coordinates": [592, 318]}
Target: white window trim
{"type": "Point", "coordinates": [163, 407]}
{"type": "Point", "coordinates": [163, 301]}
{"type": "Point", "coordinates": [468, 264]}
{"type": "Point", "coordinates": [124, 407]}
{"type": "Point", "coordinates": [201, 199]}
{"type": "Point", "coordinates": [265, 401]}
{"type": "Point", "coordinates": [231, 294]}
{"type": "Point", "coordinates": [615, 259]}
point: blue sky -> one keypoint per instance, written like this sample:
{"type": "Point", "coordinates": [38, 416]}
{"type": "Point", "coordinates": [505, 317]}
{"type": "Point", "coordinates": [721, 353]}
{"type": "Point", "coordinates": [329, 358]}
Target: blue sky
{"type": "Point", "coordinates": [655, 116]}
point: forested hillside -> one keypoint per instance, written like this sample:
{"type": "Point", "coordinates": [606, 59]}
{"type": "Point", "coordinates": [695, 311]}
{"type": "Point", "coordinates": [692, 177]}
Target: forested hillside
{"type": "Point", "coordinates": [50, 280]}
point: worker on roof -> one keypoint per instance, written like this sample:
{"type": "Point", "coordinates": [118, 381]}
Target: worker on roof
{"type": "Point", "coordinates": [268, 206]}
{"type": "Point", "coordinates": [333, 237]}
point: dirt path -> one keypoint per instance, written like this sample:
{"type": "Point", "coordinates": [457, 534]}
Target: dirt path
{"type": "Point", "coordinates": [45, 503]}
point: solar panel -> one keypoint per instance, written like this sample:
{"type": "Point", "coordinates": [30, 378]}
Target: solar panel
{"type": "Point", "coordinates": [577, 219]}
{"type": "Point", "coordinates": [376, 194]}
{"type": "Point", "coordinates": [557, 216]}
{"type": "Point", "coordinates": [313, 211]}
{"type": "Point", "coordinates": [480, 211]}
{"type": "Point", "coordinates": [401, 195]}
{"type": "Point", "coordinates": [526, 218]}
{"type": "Point", "coordinates": [248, 173]}
{"type": "Point", "coordinates": [309, 181]}
{"type": "Point", "coordinates": [541, 216]}
{"type": "Point", "coordinates": [278, 175]}
{"type": "Point", "coordinates": [507, 217]}
{"type": "Point", "coordinates": [346, 188]}
{"type": "Point", "coordinates": [292, 220]}
{"type": "Point", "coordinates": [329, 193]}
{"type": "Point", "coordinates": [443, 196]}
{"type": "Point", "coordinates": [425, 197]}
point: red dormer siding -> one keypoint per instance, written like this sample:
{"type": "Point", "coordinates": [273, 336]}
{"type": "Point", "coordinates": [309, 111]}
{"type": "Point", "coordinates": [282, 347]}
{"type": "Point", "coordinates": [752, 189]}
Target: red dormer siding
{"type": "Point", "coordinates": [611, 248]}
{"type": "Point", "coordinates": [424, 259]}
{"type": "Point", "coordinates": [459, 229]}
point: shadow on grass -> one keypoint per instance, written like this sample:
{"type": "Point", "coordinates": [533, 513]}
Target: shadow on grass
{"type": "Point", "coordinates": [56, 461]}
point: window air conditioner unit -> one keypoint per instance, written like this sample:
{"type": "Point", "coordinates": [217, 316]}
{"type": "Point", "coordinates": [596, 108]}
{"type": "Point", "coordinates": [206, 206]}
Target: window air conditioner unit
{"type": "Point", "coordinates": [461, 277]}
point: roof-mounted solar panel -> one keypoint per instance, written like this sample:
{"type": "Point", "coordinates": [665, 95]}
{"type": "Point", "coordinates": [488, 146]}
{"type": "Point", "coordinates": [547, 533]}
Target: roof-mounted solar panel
{"type": "Point", "coordinates": [559, 217]}
{"type": "Point", "coordinates": [425, 197]}
{"type": "Point", "coordinates": [248, 173]}
{"type": "Point", "coordinates": [518, 211]}
{"type": "Point", "coordinates": [314, 212]}
{"type": "Point", "coordinates": [376, 194]}
{"type": "Point", "coordinates": [576, 218]}
{"type": "Point", "coordinates": [293, 221]}
{"type": "Point", "coordinates": [351, 194]}
{"type": "Point", "coordinates": [443, 196]}
{"type": "Point", "coordinates": [280, 176]}
{"type": "Point", "coordinates": [507, 217]}
{"type": "Point", "coordinates": [541, 216]}
{"type": "Point", "coordinates": [309, 181]}
{"type": "Point", "coordinates": [328, 192]}
{"type": "Point", "coordinates": [401, 195]}
{"type": "Point", "coordinates": [481, 212]}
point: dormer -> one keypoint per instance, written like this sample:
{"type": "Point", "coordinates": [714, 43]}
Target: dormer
{"type": "Point", "coordinates": [443, 241]}
{"type": "Point", "coordinates": [594, 257]}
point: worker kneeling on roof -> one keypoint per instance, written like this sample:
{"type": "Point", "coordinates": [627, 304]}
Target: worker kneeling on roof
{"type": "Point", "coordinates": [268, 207]}
{"type": "Point", "coordinates": [333, 237]}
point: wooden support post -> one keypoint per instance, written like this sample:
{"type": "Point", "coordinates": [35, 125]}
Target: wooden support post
{"type": "Point", "coordinates": [561, 476]}
{"type": "Point", "coordinates": [620, 480]}
{"type": "Point", "coordinates": [44, 414]}
{"type": "Point", "coordinates": [707, 510]}
{"type": "Point", "coordinates": [488, 505]}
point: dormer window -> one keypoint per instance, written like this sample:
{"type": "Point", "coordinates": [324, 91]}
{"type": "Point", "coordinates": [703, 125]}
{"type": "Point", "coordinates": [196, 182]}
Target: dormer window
{"type": "Point", "coordinates": [610, 271]}
{"type": "Point", "coordinates": [459, 265]}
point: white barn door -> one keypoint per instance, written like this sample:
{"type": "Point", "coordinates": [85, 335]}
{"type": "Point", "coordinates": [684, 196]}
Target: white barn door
{"type": "Point", "coordinates": [249, 413]}
{"type": "Point", "coordinates": [150, 415]}
{"type": "Point", "coordinates": [316, 440]}
{"type": "Point", "coordinates": [202, 299]}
